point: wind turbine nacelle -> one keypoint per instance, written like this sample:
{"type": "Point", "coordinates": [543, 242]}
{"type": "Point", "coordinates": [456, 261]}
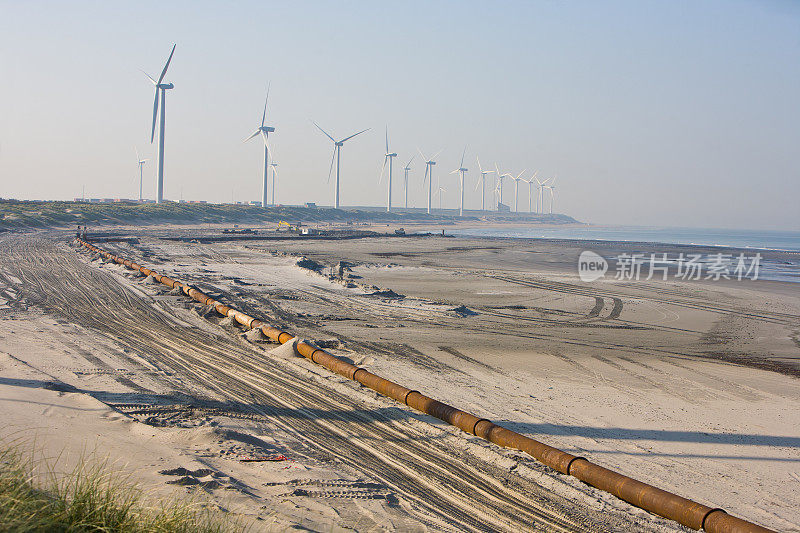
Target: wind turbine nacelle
{"type": "Point", "coordinates": [267, 129]}
{"type": "Point", "coordinates": [165, 86]}
{"type": "Point", "coordinates": [463, 170]}
{"type": "Point", "coordinates": [391, 155]}
{"type": "Point", "coordinates": [431, 163]}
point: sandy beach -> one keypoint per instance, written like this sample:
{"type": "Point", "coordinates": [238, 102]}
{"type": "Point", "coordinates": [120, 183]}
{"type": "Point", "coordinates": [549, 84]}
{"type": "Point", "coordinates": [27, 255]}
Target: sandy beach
{"type": "Point", "coordinates": [688, 385]}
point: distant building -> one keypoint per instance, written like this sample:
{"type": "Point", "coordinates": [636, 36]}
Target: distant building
{"type": "Point", "coordinates": [503, 208]}
{"type": "Point", "coordinates": [310, 205]}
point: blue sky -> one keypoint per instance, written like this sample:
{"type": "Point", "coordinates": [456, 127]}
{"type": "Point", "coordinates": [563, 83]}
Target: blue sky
{"type": "Point", "coordinates": [651, 113]}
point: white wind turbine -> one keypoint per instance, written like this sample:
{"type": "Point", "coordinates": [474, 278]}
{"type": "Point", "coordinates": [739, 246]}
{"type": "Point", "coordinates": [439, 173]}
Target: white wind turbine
{"type": "Point", "coordinates": [440, 192]}
{"type": "Point", "coordinates": [540, 195]}
{"type": "Point", "coordinates": [274, 166]}
{"type": "Point", "coordinates": [141, 165]}
{"type": "Point", "coordinates": [264, 132]}
{"type": "Point", "coordinates": [551, 187]}
{"type": "Point", "coordinates": [337, 150]}
{"type": "Point", "coordinates": [389, 156]}
{"type": "Point", "coordinates": [429, 163]}
{"type": "Point", "coordinates": [461, 174]}
{"type": "Point", "coordinates": [499, 186]}
{"type": "Point", "coordinates": [530, 191]}
{"type": "Point", "coordinates": [163, 88]}
{"type": "Point", "coordinates": [517, 179]}
{"type": "Point", "coordinates": [482, 184]}
{"type": "Point", "coordinates": [407, 169]}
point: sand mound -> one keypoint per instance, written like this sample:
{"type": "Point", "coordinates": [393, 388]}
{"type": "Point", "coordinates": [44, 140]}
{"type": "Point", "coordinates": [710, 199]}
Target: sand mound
{"type": "Point", "coordinates": [324, 344]}
{"type": "Point", "coordinates": [204, 311]}
{"type": "Point", "coordinates": [286, 350]}
{"type": "Point", "coordinates": [227, 321]}
{"type": "Point", "coordinates": [463, 310]}
{"type": "Point", "coordinates": [256, 335]}
{"type": "Point", "coordinates": [309, 264]}
{"type": "Point", "coordinates": [387, 293]}
{"type": "Point", "coordinates": [150, 280]}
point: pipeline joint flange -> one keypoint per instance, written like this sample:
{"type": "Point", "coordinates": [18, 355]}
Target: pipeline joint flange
{"type": "Point", "coordinates": [405, 398]}
{"type": "Point", "coordinates": [475, 425]}
{"type": "Point", "coordinates": [569, 465]}
{"type": "Point", "coordinates": [712, 511]}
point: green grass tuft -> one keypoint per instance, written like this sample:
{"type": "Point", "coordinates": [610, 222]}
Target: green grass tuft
{"type": "Point", "coordinates": [91, 498]}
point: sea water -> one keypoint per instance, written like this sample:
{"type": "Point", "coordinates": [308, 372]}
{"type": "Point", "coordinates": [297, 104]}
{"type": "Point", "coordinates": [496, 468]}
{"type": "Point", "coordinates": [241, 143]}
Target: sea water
{"type": "Point", "coordinates": [751, 240]}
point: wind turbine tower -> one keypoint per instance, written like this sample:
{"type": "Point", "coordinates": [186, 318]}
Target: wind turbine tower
{"type": "Point", "coordinates": [264, 131]}
{"type": "Point", "coordinates": [274, 166]}
{"type": "Point", "coordinates": [517, 179]}
{"type": "Point", "coordinates": [429, 163]}
{"type": "Point", "coordinates": [161, 93]}
{"type": "Point", "coordinates": [530, 191]}
{"type": "Point", "coordinates": [440, 192]}
{"type": "Point", "coordinates": [482, 184]}
{"type": "Point", "coordinates": [540, 199]}
{"type": "Point", "coordinates": [461, 173]}
{"type": "Point", "coordinates": [499, 187]}
{"type": "Point", "coordinates": [337, 150]}
{"type": "Point", "coordinates": [407, 169]}
{"type": "Point", "coordinates": [552, 187]}
{"type": "Point", "coordinates": [141, 165]}
{"type": "Point", "coordinates": [388, 156]}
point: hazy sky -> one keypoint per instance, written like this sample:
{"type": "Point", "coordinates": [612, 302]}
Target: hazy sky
{"type": "Point", "coordinates": [651, 113]}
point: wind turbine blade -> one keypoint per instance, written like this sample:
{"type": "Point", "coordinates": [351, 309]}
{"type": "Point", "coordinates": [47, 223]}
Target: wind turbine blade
{"type": "Point", "coordinates": [454, 171]}
{"type": "Point", "coordinates": [423, 155]}
{"type": "Point", "coordinates": [155, 113]}
{"type": "Point", "coordinates": [264, 115]}
{"type": "Point", "coordinates": [164, 72]}
{"type": "Point", "coordinates": [333, 156]}
{"type": "Point", "coordinates": [479, 164]}
{"type": "Point", "coordinates": [138, 157]}
{"type": "Point", "coordinates": [462, 156]}
{"type": "Point", "coordinates": [353, 135]}
{"type": "Point", "coordinates": [149, 77]}
{"type": "Point", "coordinates": [253, 135]}
{"type": "Point", "coordinates": [410, 160]}
{"type": "Point", "coordinates": [387, 140]}
{"type": "Point", "coordinates": [383, 168]}
{"type": "Point", "coordinates": [323, 131]}
{"type": "Point", "coordinates": [520, 174]}
{"type": "Point", "coordinates": [425, 179]}
{"type": "Point", "coordinates": [436, 154]}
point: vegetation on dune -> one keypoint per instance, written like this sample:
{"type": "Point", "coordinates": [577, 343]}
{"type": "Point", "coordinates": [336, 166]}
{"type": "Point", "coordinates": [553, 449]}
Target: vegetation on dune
{"type": "Point", "coordinates": [24, 214]}
{"type": "Point", "coordinates": [90, 498]}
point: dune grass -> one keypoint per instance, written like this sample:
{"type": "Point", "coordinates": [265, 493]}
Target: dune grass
{"type": "Point", "coordinates": [91, 498]}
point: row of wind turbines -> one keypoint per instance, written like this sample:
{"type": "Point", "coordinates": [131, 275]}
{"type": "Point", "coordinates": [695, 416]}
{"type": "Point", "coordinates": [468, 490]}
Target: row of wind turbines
{"type": "Point", "coordinates": [388, 157]}
{"type": "Point", "coordinates": [264, 130]}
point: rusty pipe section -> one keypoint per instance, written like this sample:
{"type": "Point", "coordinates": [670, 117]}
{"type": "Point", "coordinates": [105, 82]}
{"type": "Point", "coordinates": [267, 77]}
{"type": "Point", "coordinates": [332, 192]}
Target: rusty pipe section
{"type": "Point", "coordinates": [682, 510]}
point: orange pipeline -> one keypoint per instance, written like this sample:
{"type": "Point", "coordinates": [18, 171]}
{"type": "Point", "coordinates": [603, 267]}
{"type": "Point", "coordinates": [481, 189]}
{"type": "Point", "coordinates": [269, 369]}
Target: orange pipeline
{"type": "Point", "coordinates": [682, 510]}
